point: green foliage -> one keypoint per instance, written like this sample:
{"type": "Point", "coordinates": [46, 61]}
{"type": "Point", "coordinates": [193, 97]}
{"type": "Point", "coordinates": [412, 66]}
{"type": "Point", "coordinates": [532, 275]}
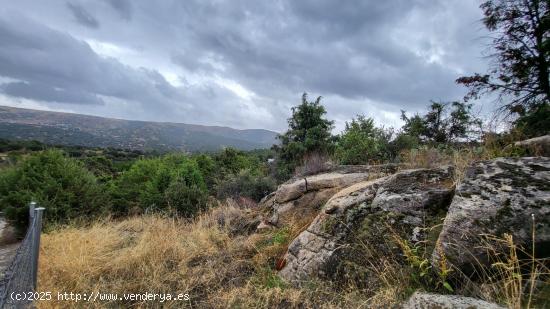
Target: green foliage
{"type": "Point", "coordinates": [423, 273]}
{"type": "Point", "coordinates": [236, 173]}
{"type": "Point", "coordinates": [536, 122]}
{"type": "Point", "coordinates": [246, 184]}
{"type": "Point", "coordinates": [519, 70]}
{"type": "Point", "coordinates": [132, 181]}
{"type": "Point", "coordinates": [145, 184]}
{"type": "Point", "coordinates": [444, 123]}
{"type": "Point", "coordinates": [404, 141]}
{"type": "Point", "coordinates": [362, 142]}
{"type": "Point", "coordinates": [62, 185]}
{"type": "Point", "coordinates": [308, 133]}
{"type": "Point", "coordinates": [414, 128]}
{"type": "Point", "coordinates": [267, 278]}
{"type": "Point", "coordinates": [231, 161]}
{"type": "Point", "coordinates": [12, 145]}
{"type": "Point", "coordinates": [208, 169]}
{"type": "Point", "coordinates": [281, 236]}
{"type": "Point", "coordinates": [186, 200]}
{"type": "Point", "coordinates": [100, 166]}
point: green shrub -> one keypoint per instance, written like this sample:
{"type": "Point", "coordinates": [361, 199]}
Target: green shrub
{"type": "Point", "coordinates": [231, 161]}
{"type": "Point", "coordinates": [185, 200]}
{"type": "Point", "coordinates": [145, 184]}
{"type": "Point", "coordinates": [62, 185]}
{"type": "Point", "coordinates": [362, 142]}
{"type": "Point", "coordinates": [246, 184]}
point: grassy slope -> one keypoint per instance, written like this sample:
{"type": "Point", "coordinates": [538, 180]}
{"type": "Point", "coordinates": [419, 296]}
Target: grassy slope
{"type": "Point", "coordinates": [215, 265]}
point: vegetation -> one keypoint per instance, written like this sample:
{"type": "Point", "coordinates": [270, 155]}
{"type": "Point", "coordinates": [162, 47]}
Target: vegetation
{"type": "Point", "coordinates": [60, 184]}
{"type": "Point", "coordinates": [204, 258]}
{"type": "Point", "coordinates": [444, 123]}
{"type": "Point", "coordinates": [362, 142]}
{"type": "Point", "coordinates": [76, 183]}
{"type": "Point", "coordinates": [520, 70]}
{"type": "Point", "coordinates": [73, 182]}
{"type": "Point", "coordinates": [219, 264]}
{"type": "Point", "coordinates": [309, 134]}
{"type": "Point", "coordinates": [172, 182]}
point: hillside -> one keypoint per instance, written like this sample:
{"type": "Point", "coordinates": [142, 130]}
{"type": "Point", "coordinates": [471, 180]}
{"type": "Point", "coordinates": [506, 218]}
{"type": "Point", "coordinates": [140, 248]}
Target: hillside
{"type": "Point", "coordinates": [91, 131]}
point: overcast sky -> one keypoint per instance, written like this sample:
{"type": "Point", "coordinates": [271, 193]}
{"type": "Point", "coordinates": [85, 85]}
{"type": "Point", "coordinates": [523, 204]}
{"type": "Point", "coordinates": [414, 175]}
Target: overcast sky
{"type": "Point", "coordinates": [236, 63]}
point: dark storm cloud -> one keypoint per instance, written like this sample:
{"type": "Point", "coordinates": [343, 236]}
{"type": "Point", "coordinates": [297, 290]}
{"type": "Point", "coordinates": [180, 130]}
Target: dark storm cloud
{"type": "Point", "coordinates": [54, 66]}
{"type": "Point", "coordinates": [82, 16]}
{"type": "Point", "coordinates": [327, 47]}
{"type": "Point", "coordinates": [390, 55]}
{"type": "Point", "coordinates": [51, 66]}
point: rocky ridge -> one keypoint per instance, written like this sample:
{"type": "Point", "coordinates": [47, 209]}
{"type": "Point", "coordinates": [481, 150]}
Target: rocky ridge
{"type": "Point", "coordinates": [503, 195]}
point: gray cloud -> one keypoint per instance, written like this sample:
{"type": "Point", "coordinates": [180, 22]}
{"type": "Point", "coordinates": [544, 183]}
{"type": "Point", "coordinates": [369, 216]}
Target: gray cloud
{"type": "Point", "coordinates": [243, 62]}
{"type": "Point", "coordinates": [123, 7]}
{"type": "Point", "coordinates": [82, 16]}
{"type": "Point", "coordinates": [44, 92]}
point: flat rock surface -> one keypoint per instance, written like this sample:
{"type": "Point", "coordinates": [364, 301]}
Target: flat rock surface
{"type": "Point", "coordinates": [422, 300]}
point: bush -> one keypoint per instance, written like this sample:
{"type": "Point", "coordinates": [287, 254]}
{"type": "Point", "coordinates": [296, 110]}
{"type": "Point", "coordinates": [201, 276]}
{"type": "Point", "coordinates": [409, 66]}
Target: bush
{"type": "Point", "coordinates": [404, 142]}
{"type": "Point", "coordinates": [185, 200]}
{"type": "Point", "coordinates": [62, 185]}
{"type": "Point", "coordinates": [362, 142]}
{"type": "Point", "coordinates": [231, 161]}
{"type": "Point", "coordinates": [146, 183]}
{"type": "Point", "coordinates": [246, 184]}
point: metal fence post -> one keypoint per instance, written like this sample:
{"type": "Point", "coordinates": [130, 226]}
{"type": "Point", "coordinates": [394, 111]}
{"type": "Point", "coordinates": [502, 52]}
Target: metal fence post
{"type": "Point", "coordinates": [37, 229]}
{"type": "Point", "coordinates": [32, 206]}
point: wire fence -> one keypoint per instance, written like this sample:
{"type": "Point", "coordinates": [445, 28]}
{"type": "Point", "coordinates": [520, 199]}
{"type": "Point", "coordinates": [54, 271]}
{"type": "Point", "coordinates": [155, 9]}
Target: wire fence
{"type": "Point", "coordinates": [19, 279]}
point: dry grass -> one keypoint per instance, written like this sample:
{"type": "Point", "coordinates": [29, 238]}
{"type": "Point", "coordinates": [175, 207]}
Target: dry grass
{"type": "Point", "coordinates": [219, 268]}
{"type": "Point", "coordinates": [142, 254]}
{"type": "Point", "coordinates": [205, 259]}
{"type": "Point", "coordinates": [313, 163]}
{"type": "Point", "coordinates": [430, 157]}
{"type": "Point", "coordinates": [515, 276]}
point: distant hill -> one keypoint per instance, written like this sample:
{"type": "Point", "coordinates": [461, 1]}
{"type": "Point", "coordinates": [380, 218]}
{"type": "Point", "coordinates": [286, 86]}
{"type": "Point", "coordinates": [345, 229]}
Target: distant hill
{"type": "Point", "coordinates": [75, 129]}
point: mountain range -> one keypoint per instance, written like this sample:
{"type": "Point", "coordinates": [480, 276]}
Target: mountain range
{"type": "Point", "coordinates": [91, 131]}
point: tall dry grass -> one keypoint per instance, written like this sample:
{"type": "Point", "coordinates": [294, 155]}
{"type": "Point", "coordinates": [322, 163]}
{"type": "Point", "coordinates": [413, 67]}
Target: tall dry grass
{"type": "Point", "coordinates": [462, 157]}
{"type": "Point", "coordinates": [207, 259]}
{"type": "Point", "coordinates": [515, 276]}
{"type": "Point", "coordinates": [222, 268]}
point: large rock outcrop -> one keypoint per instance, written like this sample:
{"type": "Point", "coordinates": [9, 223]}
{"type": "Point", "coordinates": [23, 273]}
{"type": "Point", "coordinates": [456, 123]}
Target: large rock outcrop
{"type": "Point", "coordinates": [410, 196]}
{"type": "Point", "coordinates": [302, 197]}
{"type": "Point", "coordinates": [537, 146]}
{"type": "Point", "coordinates": [504, 195]}
{"type": "Point", "coordinates": [420, 300]}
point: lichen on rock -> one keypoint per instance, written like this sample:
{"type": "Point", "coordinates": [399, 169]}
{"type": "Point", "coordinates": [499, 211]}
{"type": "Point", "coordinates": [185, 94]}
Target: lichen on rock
{"type": "Point", "coordinates": [409, 197]}
{"type": "Point", "coordinates": [504, 195]}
